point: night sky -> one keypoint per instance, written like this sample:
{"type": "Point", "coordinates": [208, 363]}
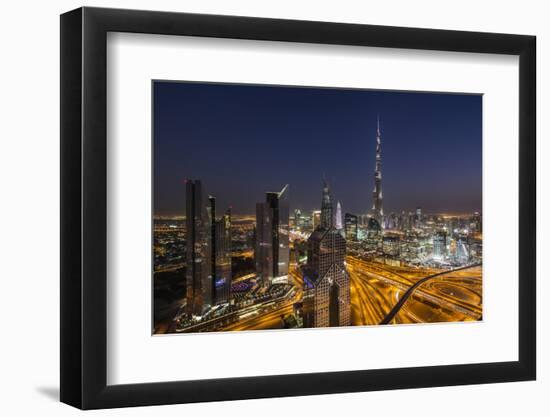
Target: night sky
{"type": "Point", "coordinates": [244, 140]}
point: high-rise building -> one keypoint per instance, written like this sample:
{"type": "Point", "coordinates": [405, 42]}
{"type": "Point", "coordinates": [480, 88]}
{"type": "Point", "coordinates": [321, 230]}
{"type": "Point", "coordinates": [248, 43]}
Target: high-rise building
{"type": "Point", "coordinates": [462, 249]}
{"type": "Point", "coordinates": [338, 223]}
{"type": "Point", "coordinates": [217, 290]}
{"type": "Point", "coordinates": [272, 239]}
{"type": "Point", "coordinates": [315, 219]}
{"type": "Point", "coordinates": [351, 226]}
{"type": "Point", "coordinates": [222, 251]}
{"type": "Point", "coordinates": [440, 245]}
{"type": "Point", "coordinates": [404, 221]}
{"type": "Point", "coordinates": [326, 301]}
{"type": "Point", "coordinates": [377, 207]}
{"type": "Point", "coordinates": [263, 248]}
{"type": "Point", "coordinates": [391, 245]}
{"type": "Point", "coordinates": [298, 224]}
{"type": "Point", "coordinates": [209, 288]}
{"type": "Point", "coordinates": [198, 267]}
{"type": "Point", "coordinates": [373, 239]}
{"type": "Point", "coordinates": [476, 220]}
{"type": "Point", "coordinates": [418, 217]}
{"type": "Point", "coordinates": [326, 207]}
{"type": "Point", "coordinates": [475, 247]}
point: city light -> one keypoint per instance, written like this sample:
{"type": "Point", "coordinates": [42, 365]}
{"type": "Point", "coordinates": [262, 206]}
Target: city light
{"type": "Point", "coordinates": [313, 268]}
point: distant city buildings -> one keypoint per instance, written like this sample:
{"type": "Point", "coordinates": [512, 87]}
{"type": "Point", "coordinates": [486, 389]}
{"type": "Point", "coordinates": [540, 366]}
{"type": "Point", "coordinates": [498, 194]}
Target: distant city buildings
{"type": "Point", "coordinates": [315, 219]}
{"type": "Point", "coordinates": [298, 219]}
{"type": "Point", "coordinates": [476, 222]}
{"type": "Point", "coordinates": [211, 245]}
{"type": "Point", "coordinates": [440, 245]}
{"type": "Point", "coordinates": [351, 227]}
{"type": "Point", "coordinates": [462, 249]}
{"type": "Point", "coordinates": [326, 300]}
{"type": "Point", "coordinates": [374, 235]}
{"type": "Point", "coordinates": [391, 245]}
{"type": "Point", "coordinates": [272, 237]}
{"type": "Point", "coordinates": [418, 218]}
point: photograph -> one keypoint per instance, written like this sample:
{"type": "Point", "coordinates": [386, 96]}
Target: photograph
{"type": "Point", "coordinates": [265, 205]}
{"type": "Point", "coordinates": [290, 207]}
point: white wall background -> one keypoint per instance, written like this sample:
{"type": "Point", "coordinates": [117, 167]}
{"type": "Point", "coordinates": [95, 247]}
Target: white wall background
{"type": "Point", "coordinates": [29, 228]}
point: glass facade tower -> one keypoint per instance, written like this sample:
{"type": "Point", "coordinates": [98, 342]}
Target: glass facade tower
{"type": "Point", "coordinates": [351, 226]}
{"type": "Point", "coordinates": [198, 267]}
{"type": "Point", "coordinates": [440, 245]}
{"type": "Point", "coordinates": [222, 277]}
{"type": "Point", "coordinates": [219, 287]}
{"type": "Point", "coordinates": [326, 299]}
{"type": "Point", "coordinates": [272, 236]}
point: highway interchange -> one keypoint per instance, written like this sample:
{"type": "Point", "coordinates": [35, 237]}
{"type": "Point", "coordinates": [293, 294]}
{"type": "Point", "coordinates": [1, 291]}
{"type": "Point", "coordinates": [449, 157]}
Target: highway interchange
{"type": "Point", "coordinates": [376, 289]}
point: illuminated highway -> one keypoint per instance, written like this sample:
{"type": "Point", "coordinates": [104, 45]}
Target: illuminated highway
{"type": "Point", "coordinates": [453, 296]}
{"type": "Point", "coordinates": [376, 289]}
{"type": "Point", "coordinates": [416, 295]}
{"type": "Point", "coordinates": [430, 294]}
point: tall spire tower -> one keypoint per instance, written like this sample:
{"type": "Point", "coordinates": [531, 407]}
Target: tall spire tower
{"type": "Point", "coordinates": [377, 210]}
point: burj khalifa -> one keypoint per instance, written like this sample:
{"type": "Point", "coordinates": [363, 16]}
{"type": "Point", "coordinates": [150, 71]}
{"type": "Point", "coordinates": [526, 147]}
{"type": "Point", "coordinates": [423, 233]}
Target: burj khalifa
{"type": "Point", "coordinates": [377, 210]}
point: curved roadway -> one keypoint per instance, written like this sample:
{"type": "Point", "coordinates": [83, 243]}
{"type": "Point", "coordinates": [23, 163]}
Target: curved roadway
{"type": "Point", "coordinates": [390, 316]}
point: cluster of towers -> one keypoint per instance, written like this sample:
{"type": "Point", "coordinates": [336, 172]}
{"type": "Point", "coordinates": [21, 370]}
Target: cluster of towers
{"type": "Point", "coordinates": [326, 301]}
{"type": "Point", "coordinates": [208, 254]}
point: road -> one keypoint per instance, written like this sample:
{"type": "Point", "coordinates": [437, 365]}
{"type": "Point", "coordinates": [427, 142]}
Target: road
{"type": "Point", "coordinates": [391, 315]}
{"type": "Point", "coordinates": [375, 288]}
{"type": "Point", "coordinates": [380, 294]}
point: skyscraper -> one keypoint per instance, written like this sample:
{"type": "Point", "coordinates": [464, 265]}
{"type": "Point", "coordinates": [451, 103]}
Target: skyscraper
{"type": "Point", "coordinates": [326, 207]}
{"type": "Point", "coordinates": [263, 251]}
{"type": "Point", "coordinates": [374, 234]}
{"type": "Point", "coordinates": [391, 245]}
{"type": "Point", "coordinates": [462, 249]}
{"type": "Point", "coordinates": [326, 299]}
{"type": "Point", "coordinates": [209, 288]}
{"type": "Point", "coordinates": [198, 266]}
{"type": "Point", "coordinates": [221, 253]}
{"type": "Point", "coordinates": [377, 209]}
{"type": "Point", "coordinates": [338, 223]}
{"type": "Point", "coordinates": [418, 217]}
{"type": "Point", "coordinates": [476, 220]}
{"type": "Point", "coordinates": [351, 226]}
{"type": "Point", "coordinates": [315, 219]}
{"type": "Point", "coordinates": [272, 239]}
{"type": "Point", "coordinates": [298, 219]}
{"type": "Point", "coordinates": [440, 245]}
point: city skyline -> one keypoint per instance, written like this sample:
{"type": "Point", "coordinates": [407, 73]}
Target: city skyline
{"type": "Point", "coordinates": [409, 179]}
{"type": "Point", "coordinates": [355, 261]}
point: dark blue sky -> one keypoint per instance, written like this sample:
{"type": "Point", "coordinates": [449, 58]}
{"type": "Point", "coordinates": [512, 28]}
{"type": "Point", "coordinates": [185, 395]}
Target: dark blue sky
{"type": "Point", "coordinates": [244, 140]}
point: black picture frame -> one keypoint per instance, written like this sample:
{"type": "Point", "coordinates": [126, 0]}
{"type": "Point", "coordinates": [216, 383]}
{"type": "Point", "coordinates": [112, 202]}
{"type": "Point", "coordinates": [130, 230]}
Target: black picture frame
{"type": "Point", "coordinates": [84, 207]}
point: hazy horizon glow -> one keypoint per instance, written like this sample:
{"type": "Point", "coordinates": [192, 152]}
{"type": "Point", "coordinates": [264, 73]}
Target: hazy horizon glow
{"type": "Point", "coordinates": [244, 140]}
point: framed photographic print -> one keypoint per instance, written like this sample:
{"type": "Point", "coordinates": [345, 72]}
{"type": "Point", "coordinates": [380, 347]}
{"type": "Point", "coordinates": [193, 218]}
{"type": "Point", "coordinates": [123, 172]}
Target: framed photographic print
{"type": "Point", "coordinates": [258, 208]}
